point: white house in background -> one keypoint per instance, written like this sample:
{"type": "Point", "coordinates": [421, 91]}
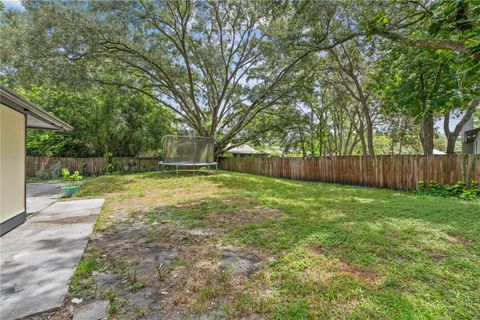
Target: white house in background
{"type": "Point", "coordinates": [16, 115]}
{"type": "Point", "coordinates": [438, 152]}
{"type": "Point", "coordinates": [470, 139]}
{"type": "Point", "coordinates": [245, 150]}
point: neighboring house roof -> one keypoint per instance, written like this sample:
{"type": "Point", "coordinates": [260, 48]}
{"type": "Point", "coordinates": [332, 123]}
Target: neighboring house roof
{"type": "Point", "coordinates": [244, 149]}
{"type": "Point", "coordinates": [36, 116]}
{"type": "Point", "coordinates": [435, 151]}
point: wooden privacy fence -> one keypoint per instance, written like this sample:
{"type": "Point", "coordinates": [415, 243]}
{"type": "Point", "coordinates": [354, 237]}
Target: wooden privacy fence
{"type": "Point", "coordinates": [92, 166]}
{"type": "Point", "coordinates": [396, 172]}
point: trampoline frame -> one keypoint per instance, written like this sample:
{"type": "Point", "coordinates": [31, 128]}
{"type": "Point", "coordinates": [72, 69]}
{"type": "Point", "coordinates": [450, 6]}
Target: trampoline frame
{"type": "Point", "coordinates": [178, 165]}
{"type": "Point", "coordinates": [192, 164]}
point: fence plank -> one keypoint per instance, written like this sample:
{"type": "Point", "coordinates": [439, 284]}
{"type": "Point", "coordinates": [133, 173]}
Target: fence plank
{"type": "Point", "coordinates": [91, 166]}
{"type": "Point", "coordinates": [385, 171]}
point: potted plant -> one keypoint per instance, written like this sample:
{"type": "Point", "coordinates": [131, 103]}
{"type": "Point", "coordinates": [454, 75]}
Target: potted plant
{"type": "Point", "coordinates": [69, 190]}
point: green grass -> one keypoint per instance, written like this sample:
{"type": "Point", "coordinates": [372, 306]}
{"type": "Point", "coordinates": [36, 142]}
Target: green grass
{"type": "Point", "coordinates": [35, 179]}
{"type": "Point", "coordinates": [82, 283]}
{"type": "Point", "coordinates": [338, 251]}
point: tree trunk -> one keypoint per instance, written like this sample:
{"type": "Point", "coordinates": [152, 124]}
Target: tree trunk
{"type": "Point", "coordinates": [361, 135]}
{"type": "Point", "coordinates": [355, 142]}
{"type": "Point", "coordinates": [369, 125]}
{"type": "Point", "coordinates": [427, 134]}
{"type": "Point", "coordinates": [452, 136]}
{"type": "Point", "coordinates": [400, 145]}
{"type": "Point", "coordinates": [451, 141]}
{"type": "Point", "coordinates": [302, 144]}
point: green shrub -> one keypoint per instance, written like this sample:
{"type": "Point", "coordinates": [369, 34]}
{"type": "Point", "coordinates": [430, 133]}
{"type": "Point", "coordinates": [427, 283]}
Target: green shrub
{"type": "Point", "coordinates": [112, 168]}
{"type": "Point", "coordinates": [459, 189]}
{"type": "Point", "coordinates": [53, 172]}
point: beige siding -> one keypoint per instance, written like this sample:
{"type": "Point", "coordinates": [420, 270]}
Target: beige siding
{"type": "Point", "coordinates": [12, 163]}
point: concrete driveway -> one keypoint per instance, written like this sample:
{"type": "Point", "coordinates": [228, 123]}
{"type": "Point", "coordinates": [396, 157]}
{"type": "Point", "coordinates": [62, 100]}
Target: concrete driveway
{"type": "Point", "coordinates": [38, 258]}
{"type": "Point", "coordinates": [42, 195]}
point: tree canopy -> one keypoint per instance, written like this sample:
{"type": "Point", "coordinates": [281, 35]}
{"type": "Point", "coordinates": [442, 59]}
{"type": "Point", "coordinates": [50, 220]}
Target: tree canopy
{"type": "Point", "coordinates": [311, 77]}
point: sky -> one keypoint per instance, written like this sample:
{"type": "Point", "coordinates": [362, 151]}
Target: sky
{"type": "Point", "coordinates": [453, 123]}
{"type": "Point", "coordinates": [12, 4]}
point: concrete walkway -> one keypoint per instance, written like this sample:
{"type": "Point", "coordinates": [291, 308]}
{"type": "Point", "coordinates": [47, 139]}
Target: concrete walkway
{"type": "Point", "coordinates": [38, 258]}
{"type": "Point", "coordinates": [42, 195]}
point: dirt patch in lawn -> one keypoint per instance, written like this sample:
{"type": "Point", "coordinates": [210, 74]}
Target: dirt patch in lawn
{"type": "Point", "coordinates": [323, 251]}
{"type": "Point", "coordinates": [436, 255]}
{"type": "Point", "coordinates": [317, 275]}
{"type": "Point", "coordinates": [458, 239]}
{"type": "Point", "coordinates": [157, 264]}
{"type": "Point", "coordinates": [365, 275]}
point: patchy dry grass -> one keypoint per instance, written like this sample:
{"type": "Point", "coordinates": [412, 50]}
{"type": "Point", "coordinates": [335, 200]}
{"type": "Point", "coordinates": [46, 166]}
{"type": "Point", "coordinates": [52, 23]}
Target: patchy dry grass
{"type": "Point", "coordinates": [301, 250]}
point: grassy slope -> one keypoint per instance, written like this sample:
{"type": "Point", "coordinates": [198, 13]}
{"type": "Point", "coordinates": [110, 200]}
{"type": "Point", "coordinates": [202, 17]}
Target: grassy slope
{"type": "Point", "coordinates": [339, 251]}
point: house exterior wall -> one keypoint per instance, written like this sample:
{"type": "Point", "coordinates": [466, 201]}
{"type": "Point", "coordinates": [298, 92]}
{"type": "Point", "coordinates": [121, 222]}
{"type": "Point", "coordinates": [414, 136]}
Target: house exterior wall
{"type": "Point", "coordinates": [12, 168]}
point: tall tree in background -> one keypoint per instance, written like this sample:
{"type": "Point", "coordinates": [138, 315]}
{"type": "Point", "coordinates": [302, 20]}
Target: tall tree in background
{"type": "Point", "coordinates": [352, 68]}
{"type": "Point", "coordinates": [464, 116]}
{"type": "Point", "coordinates": [423, 84]}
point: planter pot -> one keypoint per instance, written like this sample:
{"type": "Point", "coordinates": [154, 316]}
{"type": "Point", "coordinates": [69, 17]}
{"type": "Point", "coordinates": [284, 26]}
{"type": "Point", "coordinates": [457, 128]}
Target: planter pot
{"type": "Point", "coordinates": [69, 191]}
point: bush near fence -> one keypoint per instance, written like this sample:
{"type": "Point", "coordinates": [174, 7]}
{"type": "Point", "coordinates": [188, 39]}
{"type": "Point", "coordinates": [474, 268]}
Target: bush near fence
{"type": "Point", "coordinates": [92, 166]}
{"type": "Point", "coordinates": [395, 172]}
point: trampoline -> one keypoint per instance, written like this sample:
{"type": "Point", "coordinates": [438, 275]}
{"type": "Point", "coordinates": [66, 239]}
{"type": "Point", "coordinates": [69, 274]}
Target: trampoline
{"type": "Point", "coordinates": [191, 152]}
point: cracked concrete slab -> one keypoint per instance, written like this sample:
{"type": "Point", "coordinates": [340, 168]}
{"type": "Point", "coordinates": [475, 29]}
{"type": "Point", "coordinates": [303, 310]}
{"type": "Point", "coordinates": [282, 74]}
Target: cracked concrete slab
{"type": "Point", "coordinates": [38, 258]}
{"type": "Point", "coordinates": [93, 311]}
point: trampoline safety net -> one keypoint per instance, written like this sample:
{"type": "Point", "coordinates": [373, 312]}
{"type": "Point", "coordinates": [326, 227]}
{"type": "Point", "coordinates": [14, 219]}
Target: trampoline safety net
{"type": "Point", "coordinates": [188, 149]}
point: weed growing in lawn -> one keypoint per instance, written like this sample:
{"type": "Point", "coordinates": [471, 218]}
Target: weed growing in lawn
{"type": "Point", "coordinates": [114, 305]}
{"type": "Point", "coordinates": [130, 277]}
{"type": "Point", "coordinates": [178, 262]}
{"type": "Point", "coordinates": [206, 294]}
{"type": "Point", "coordinates": [139, 313]}
{"type": "Point", "coordinates": [133, 281]}
{"type": "Point", "coordinates": [243, 303]}
{"type": "Point", "coordinates": [82, 283]}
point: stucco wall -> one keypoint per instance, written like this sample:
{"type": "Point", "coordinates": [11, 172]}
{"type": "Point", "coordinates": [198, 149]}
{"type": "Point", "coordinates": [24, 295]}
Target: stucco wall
{"type": "Point", "coordinates": [12, 163]}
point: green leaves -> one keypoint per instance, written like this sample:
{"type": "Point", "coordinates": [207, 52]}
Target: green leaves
{"type": "Point", "coordinates": [105, 119]}
{"type": "Point", "coordinates": [419, 81]}
{"type": "Point", "coordinates": [74, 177]}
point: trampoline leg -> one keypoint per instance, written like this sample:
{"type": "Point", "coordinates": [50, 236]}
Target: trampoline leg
{"type": "Point", "coordinates": [176, 169]}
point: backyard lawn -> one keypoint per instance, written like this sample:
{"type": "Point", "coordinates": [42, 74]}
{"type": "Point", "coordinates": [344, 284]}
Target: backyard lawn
{"type": "Point", "coordinates": [243, 246]}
